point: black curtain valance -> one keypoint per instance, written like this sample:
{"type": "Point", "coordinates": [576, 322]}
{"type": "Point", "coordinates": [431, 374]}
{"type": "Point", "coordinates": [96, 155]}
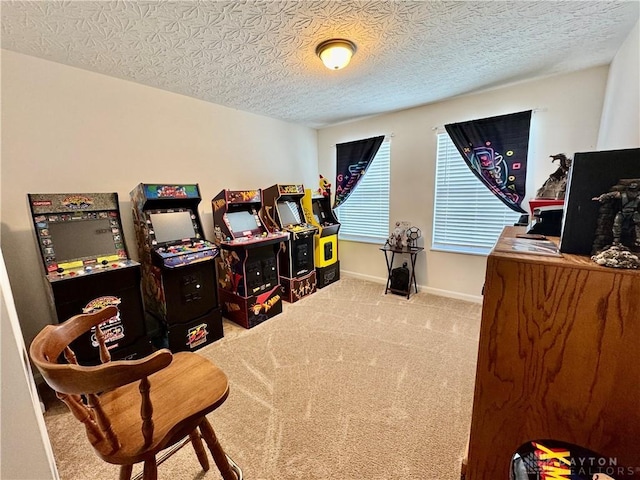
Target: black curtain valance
{"type": "Point", "coordinates": [352, 161]}
{"type": "Point", "coordinates": [495, 149]}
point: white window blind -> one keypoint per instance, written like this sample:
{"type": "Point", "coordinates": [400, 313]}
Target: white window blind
{"type": "Point", "coordinates": [468, 218]}
{"type": "Point", "coordinates": [364, 216]}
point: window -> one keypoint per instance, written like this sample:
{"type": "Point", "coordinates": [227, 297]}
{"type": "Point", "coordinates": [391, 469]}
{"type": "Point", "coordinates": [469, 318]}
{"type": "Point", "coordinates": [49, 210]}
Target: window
{"type": "Point", "coordinates": [364, 216]}
{"type": "Point", "coordinates": [467, 218]}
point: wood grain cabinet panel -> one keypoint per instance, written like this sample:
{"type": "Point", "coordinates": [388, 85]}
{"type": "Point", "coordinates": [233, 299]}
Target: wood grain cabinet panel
{"type": "Point", "coordinates": [559, 358]}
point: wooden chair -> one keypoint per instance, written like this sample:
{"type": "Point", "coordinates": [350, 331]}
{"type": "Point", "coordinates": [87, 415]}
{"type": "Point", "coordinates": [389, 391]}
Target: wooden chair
{"type": "Point", "coordinates": [134, 409]}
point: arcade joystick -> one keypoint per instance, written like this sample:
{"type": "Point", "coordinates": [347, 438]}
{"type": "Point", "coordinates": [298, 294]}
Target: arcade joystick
{"type": "Point", "coordinates": [59, 270]}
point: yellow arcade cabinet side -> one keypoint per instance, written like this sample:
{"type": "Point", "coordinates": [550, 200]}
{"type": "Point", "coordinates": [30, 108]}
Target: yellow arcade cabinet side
{"type": "Point", "coordinates": [318, 212]}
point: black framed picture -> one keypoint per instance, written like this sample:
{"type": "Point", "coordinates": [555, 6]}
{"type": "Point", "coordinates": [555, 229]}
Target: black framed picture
{"type": "Point", "coordinates": [592, 174]}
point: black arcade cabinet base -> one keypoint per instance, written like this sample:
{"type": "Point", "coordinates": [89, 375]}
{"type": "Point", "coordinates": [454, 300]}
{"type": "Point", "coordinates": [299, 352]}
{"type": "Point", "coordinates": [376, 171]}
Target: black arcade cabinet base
{"type": "Point", "coordinates": [327, 275]}
{"type": "Point", "coordinates": [298, 287]}
{"type": "Point", "coordinates": [195, 334]}
{"type": "Point", "coordinates": [125, 334]}
{"type": "Point", "coordinates": [251, 311]}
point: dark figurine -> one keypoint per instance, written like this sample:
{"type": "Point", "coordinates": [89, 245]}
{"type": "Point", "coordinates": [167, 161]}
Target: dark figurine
{"type": "Point", "coordinates": [627, 216]}
{"type": "Point", "coordinates": [556, 185]}
{"type": "Point", "coordinates": [618, 229]}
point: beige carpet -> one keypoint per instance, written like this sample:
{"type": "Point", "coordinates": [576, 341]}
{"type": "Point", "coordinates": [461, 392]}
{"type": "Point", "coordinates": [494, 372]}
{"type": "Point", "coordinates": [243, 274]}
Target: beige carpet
{"type": "Point", "coordinates": [346, 384]}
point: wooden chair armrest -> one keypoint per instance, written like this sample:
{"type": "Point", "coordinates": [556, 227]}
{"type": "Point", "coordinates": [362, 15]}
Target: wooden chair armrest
{"type": "Point", "coordinates": [53, 339]}
{"type": "Point", "coordinates": [77, 379]}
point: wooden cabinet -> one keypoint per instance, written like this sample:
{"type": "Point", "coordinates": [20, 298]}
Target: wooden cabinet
{"type": "Point", "coordinates": [559, 358]}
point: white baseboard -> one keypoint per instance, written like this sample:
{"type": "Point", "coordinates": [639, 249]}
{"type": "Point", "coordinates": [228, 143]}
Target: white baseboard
{"type": "Point", "coordinates": [421, 288]}
{"type": "Point", "coordinates": [37, 376]}
{"type": "Point", "coordinates": [361, 276]}
{"type": "Point", "coordinates": [450, 294]}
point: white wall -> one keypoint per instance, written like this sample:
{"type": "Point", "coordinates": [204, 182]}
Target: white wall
{"type": "Point", "coordinates": [70, 130]}
{"type": "Point", "coordinates": [26, 452]}
{"type": "Point", "coordinates": [566, 120]}
{"type": "Point", "coordinates": [621, 112]}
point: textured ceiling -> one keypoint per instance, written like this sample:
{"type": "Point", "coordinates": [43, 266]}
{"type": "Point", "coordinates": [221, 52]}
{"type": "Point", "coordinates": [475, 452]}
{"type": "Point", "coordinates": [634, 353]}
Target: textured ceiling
{"type": "Point", "coordinates": [259, 56]}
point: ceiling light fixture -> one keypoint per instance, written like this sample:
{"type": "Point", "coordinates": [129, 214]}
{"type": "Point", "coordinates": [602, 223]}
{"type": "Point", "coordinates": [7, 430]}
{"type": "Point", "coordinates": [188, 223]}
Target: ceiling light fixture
{"type": "Point", "coordinates": [336, 53]}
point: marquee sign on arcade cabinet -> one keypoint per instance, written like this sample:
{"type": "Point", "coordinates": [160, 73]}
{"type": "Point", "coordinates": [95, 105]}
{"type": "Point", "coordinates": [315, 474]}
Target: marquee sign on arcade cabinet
{"type": "Point", "coordinates": [87, 267]}
{"type": "Point", "coordinates": [317, 210]}
{"type": "Point", "coordinates": [248, 275]}
{"type": "Point", "coordinates": [282, 211]}
{"type": "Point", "coordinates": [178, 265]}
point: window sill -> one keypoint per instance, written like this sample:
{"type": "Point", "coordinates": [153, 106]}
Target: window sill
{"type": "Point", "coordinates": [363, 239]}
{"type": "Point", "coordinates": [478, 251]}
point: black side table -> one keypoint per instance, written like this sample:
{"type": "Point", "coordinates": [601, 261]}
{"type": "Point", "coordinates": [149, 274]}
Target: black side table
{"type": "Point", "coordinates": [413, 253]}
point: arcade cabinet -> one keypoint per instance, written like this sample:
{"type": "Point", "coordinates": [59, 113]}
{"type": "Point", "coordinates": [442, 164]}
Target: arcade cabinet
{"type": "Point", "coordinates": [282, 212]}
{"type": "Point", "coordinates": [178, 265]}
{"type": "Point", "coordinates": [317, 210]}
{"type": "Point", "coordinates": [248, 276]}
{"type": "Point", "coordinates": [87, 267]}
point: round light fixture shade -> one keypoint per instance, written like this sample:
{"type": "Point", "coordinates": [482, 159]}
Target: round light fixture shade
{"type": "Point", "coordinates": [336, 53]}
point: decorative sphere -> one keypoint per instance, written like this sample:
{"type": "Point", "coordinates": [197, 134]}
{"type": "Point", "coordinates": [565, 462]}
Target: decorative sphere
{"type": "Point", "coordinates": [413, 234]}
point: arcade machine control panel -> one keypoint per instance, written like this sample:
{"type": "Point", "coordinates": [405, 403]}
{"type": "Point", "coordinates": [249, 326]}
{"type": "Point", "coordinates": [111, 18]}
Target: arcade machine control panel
{"type": "Point", "coordinates": [173, 256]}
{"type": "Point", "coordinates": [178, 266]}
{"type": "Point", "coordinates": [87, 267]}
{"type": "Point", "coordinates": [248, 274]}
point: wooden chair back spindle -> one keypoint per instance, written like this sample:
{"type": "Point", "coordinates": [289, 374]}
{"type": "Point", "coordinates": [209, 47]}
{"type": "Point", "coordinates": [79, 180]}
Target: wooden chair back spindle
{"type": "Point", "coordinates": [146, 410]}
{"type": "Point", "coordinates": [82, 413]}
{"type": "Point", "coordinates": [105, 356]}
{"type": "Point", "coordinates": [93, 402]}
{"type": "Point", "coordinates": [70, 356]}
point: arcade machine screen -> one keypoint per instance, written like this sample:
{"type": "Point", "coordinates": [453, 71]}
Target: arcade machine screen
{"type": "Point", "coordinates": [318, 213]}
{"type": "Point", "coordinates": [289, 213]}
{"type": "Point", "coordinates": [172, 226]}
{"type": "Point", "coordinates": [243, 222]}
{"type": "Point", "coordinates": [75, 240]}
